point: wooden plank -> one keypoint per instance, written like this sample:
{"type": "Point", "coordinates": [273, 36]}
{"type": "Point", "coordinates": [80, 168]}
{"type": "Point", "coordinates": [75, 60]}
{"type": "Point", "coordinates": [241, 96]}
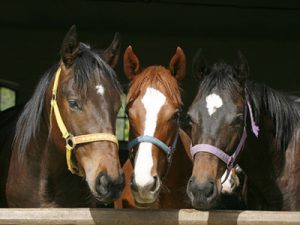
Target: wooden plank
{"type": "Point", "coordinates": [86, 216]}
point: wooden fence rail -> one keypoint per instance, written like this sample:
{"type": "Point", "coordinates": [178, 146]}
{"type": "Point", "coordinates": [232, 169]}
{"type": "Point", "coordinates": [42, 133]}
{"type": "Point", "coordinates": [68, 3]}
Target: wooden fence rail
{"type": "Point", "coordinates": [86, 216]}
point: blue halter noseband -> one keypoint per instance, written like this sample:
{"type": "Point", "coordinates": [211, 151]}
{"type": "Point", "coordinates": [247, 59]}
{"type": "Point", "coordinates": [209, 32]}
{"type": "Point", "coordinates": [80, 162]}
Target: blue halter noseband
{"type": "Point", "coordinates": [168, 150]}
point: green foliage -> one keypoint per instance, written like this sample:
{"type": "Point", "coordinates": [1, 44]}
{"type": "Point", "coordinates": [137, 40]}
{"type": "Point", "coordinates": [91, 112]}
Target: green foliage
{"type": "Point", "coordinates": [7, 98]}
{"type": "Point", "coordinates": [122, 123]}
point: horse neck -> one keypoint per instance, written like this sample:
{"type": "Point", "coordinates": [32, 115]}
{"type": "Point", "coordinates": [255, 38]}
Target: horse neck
{"type": "Point", "coordinates": [177, 178]}
{"type": "Point", "coordinates": [53, 160]}
{"type": "Point", "coordinates": [44, 159]}
{"type": "Point", "coordinates": [268, 169]}
{"type": "Point", "coordinates": [25, 171]}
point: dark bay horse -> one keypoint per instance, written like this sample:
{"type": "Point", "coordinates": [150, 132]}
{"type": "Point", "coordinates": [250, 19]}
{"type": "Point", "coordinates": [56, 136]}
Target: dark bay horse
{"type": "Point", "coordinates": [159, 166]}
{"type": "Point", "coordinates": [230, 112]}
{"type": "Point", "coordinates": [69, 123]}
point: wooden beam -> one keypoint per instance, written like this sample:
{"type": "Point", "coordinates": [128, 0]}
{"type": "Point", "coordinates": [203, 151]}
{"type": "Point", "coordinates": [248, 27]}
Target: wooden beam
{"type": "Point", "coordinates": [86, 216]}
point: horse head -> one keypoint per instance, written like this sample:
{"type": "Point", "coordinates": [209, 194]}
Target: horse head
{"type": "Point", "coordinates": [218, 127]}
{"type": "Point", "coordinates": [85, 99]}
{"type": "Point", "coordinates": [153, 108]}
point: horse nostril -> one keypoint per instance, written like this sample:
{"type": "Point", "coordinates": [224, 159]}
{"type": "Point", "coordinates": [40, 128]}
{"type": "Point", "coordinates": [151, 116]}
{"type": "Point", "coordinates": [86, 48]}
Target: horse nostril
{"type": "Point", "coordinates": [192, 184]}
{"type": "Point", "coordinates": [209, 189]}
{"type": "Point", "coordinates": [108, 189]}
{"type": "Point", "coordinates": [155, 183]}
{"type": "Point", "coordinates": [191, 180]}
{"type": "Point", "coordinates": [102, 186]}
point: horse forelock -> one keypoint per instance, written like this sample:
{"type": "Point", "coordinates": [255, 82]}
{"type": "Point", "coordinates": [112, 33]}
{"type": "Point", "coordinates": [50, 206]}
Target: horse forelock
{"type": "Point", "coordinates": [221, 77]}
{"type": "Point", "coordinates": [159, 78]}
{"type": "Point", "coordinates": [89, 67]}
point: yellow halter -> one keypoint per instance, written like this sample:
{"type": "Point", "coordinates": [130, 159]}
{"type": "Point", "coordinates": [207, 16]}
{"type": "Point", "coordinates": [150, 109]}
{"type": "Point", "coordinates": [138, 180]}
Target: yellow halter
{"type": "Point", "coordinates": [71, 140]}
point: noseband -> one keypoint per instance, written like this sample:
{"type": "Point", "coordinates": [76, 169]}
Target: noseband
{"type": "Point", "coordinates": [230, 160]}
{"type": "Point", "coordinates": [71, 140]}
{"type": "Point", "coordinates": [168, 150]}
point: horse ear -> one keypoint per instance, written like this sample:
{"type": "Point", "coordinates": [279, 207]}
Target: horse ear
{"type": "Point", "coordinates": [131, 63]}
{"type": "Point", "coordinates": [70, 47]}
{"type": "Point", "coordinates": [111, 54]}
{"type": "Point", "coordinates": [199, 65]}
{"type": "Point", "coordinates": [242, 67]}
{"type": "Point", "coordinates": [177, 64]}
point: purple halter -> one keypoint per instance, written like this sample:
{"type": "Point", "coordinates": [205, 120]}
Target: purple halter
{"type": "Point", "coordinates": [229, 160]}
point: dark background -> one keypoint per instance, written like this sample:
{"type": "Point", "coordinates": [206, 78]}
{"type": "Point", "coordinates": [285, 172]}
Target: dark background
{"type": "Point", "coordinates": [267, 32]}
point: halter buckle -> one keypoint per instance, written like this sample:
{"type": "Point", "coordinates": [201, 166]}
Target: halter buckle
{"type": "Point", "coordinates": [170, 153]}
{"type": "Point", "coordinates": [70, 141]}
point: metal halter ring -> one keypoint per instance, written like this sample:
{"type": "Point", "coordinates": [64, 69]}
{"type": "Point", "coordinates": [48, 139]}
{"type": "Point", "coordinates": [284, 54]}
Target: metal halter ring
{"type": "Point", "coordinates": [70, 141]}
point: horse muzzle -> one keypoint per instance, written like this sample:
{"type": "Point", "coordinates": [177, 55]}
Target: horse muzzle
{"type": "Point", "coordinates": [146, 194]}
{"type": "Point", "coordinates": [107, 189]}
{"type": "Point", "coordinates": [203, 196]}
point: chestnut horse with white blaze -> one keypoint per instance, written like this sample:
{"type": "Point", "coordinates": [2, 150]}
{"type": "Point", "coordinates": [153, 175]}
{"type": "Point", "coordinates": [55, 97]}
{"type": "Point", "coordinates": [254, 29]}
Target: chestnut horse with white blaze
{"type": "Point", "coordinates": [159, 166]}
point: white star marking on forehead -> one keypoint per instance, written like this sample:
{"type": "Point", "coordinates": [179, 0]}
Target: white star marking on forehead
{"type": "Point", "coordinates": [213, 102]}
{"type": "Point", "coordinates": [100, 89]}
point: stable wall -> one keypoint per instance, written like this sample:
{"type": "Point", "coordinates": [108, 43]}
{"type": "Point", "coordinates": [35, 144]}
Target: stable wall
{"type": "Point", "coordinates": [31, 35]}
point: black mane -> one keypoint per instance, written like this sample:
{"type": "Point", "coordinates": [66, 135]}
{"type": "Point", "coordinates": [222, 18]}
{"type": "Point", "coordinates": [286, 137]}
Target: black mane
{"type": "Point", "coordinates": [283, 111]}
{"type": "Point", "coordinates": [86, 64]}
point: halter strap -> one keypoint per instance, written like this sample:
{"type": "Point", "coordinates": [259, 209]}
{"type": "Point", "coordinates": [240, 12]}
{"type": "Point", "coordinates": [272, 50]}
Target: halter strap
{"type": "Point", "coordinates": [153, 140]}
{"type": "Point", "coordinates": [229, 160]}
{"type": "Point", "coordinates": [71, 140]}
{"type": "Point", "coordinates": [168, 150]}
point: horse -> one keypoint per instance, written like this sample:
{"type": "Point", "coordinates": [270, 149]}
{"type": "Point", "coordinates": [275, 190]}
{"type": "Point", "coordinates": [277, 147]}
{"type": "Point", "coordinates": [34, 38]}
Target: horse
{"type": "Point", "coordinates": [234, 189]}
{"type": "Point", "coordinates": [159, 164]}
{"type": "Point", "coordinates": [62, 151]}
{"type": "Point", "coordinates": [235, 120]}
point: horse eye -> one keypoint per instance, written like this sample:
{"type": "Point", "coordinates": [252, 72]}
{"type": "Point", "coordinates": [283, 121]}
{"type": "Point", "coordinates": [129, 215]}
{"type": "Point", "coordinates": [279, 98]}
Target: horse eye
{"type": "Point", "coordinates": [238, 120]}
{"type": "Point", "coordinates": [74, 105]}
{"type": "Point", "coordinates": [240, 117]}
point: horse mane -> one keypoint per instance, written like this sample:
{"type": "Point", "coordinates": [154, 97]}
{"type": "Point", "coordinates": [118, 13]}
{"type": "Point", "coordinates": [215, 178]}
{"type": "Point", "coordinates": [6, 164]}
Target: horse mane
{"type": "Point", "coordinates": [283, 111]}
{"type": "Point", "coordinates": [86, 65]}
{"type": "Point", "coordinates": [156, 77]}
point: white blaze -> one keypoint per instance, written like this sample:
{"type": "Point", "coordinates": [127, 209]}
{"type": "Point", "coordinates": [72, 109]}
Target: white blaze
{"type": "Point", "coordinates": [213, 102]}
{"type": "Point", "coordinates": [100, 89]}
{"type": "Point", "coordinates": [153, 100]}
{"type": "Point", "coordinates": [227, 184]}
{"type": "Point", "coordinates": [231, 183]}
